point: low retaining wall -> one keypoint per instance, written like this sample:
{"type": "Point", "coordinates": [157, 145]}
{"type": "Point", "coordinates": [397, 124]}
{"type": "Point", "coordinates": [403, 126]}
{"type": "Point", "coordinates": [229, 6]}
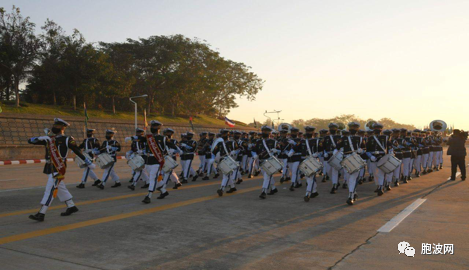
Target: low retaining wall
{"type": "Point", "coordinates": [16, 129]}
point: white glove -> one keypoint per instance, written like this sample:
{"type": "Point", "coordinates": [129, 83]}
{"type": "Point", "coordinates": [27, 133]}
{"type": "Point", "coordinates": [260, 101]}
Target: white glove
{"type": "Point", "coordinates": [171, 151]}
{"type": "Point", "coordinates": [255, 157]}
{"type": "Point", "coordinates": [290, 153]}
{"type": "Point", "coordinates": [290, 141]}
{"type": "Point", "coordinates": [315, 155]}
{"type": "Point", "coordinates": [92, 166]}
{"type": "Point", "coordinates": [128, 139]}
{"type": "Point", "coordinates": [140, 152]}
{"type": "Point", "coordinates": [373, 158]}
{"type": "Point", "coordinates": [360, 151]}
{"type": "Point", "coordinates": [335, 151]}
{"type": "Point", "coordinates": [96, 151]}
{"type": "Point", "coordinates": [44, 138]}
{"type": "Point", "coordinates": [233, 153]}
{"type": "Point", "coordinates": [275, 151]}
{"type": "Point", "coordinates": [326, 155]}
{"type": "Point", "coordinates": [183, 144]}
{"type": "Point", "coordinates": [376, 152]}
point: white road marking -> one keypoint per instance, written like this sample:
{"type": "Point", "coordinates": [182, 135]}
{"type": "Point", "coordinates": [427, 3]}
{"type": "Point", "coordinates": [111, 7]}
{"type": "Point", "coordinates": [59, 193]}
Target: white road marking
{"type": "Point", "coordinates": [6, 180]}
{"type": "Point", "coordinates": [390, 225]}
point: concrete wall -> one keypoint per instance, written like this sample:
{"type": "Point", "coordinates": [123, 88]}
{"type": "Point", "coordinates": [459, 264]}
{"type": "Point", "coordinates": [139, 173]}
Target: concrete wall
{"type": "Point", "coordinates": [16, 129]}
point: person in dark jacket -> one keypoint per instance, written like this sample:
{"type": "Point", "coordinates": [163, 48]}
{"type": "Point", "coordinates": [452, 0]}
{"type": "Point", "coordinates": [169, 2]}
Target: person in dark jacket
{"type": "Point", "coordinates": [457, 151]}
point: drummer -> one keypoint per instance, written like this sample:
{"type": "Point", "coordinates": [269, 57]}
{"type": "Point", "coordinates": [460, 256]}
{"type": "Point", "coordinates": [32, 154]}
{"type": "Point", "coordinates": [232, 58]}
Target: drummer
{"type": "Point", "coordinates": [138, 148]}
{"type": "Point", "coordinates": [89, 144]}
{"type": "Point", "coordinates": [310, 146]}
{"type": "Point", "coordinates": [376, 148]}
{"type": "Point", "coordinates": [388, 177]}
{"type": "Point", "coordinates": [396, 144]}
{"type": "Point", "coordinates": [172, 150]}
{"type": "Point", "coordinates": [361, 175]}
{"type": "Point", "coordinates": [222, 147]}
{"type": "Point", "coordinates": [349, 144]}
{"type": "Point", "coordinates": [329, 143]}
{"type": "Point", "coordinates": [370, 165]}
{"type": "Point", "coordinates": [111, 147]}
{"type": "Point", "coordinates": [295, 159]}
{"type": "Point", "coordinates": [262, 150]}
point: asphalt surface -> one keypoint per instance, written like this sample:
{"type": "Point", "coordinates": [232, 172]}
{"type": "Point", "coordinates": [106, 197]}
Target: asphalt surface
{"type": "Point", "coordinates": [193, 228]}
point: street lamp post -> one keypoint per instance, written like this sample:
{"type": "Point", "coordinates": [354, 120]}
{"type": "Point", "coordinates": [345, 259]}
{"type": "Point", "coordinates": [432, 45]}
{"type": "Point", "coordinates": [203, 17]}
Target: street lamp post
{"type": "Point", "coordinates": [135, 103]}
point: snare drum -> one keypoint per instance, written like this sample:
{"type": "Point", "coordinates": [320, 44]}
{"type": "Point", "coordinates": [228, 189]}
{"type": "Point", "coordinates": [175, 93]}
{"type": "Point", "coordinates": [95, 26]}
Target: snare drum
{"type": "Point", "coordinates": [271, 165]}
{"type": "Point", "coordinates": [81, 163]}
{"type": "Point", "coordinates": [310, 166]}
{"type": "Point", "coordinates": [335, 160]}
{"type": "Point", "coordinates": [353, 163]}
{"type": "Point", "coordinates": [388, 163]}
{"type": "Point", "coordinates": [227, 165]}
{"type": "Point", "coordinates": [104, 160]}
{"type": "Point", "coordinates": [136, 162]}
{"type": "Point", "coordinates": [169, 164]}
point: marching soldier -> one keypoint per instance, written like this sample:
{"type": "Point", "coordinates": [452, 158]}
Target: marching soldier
{"type": "Point", "coordinates": [283, 155]}
{"type": "Point", "coordinates": [396, 144]}
{"type": "Point", "coordinates": [370, 165]}
{"type": "Point", "coordinates": [294, 159]}
{"type": "Point", "coordinates": [417, 149]}
{"type": "Point", "coordinates": [348, 145]}
{"type": "Point", "coordinates": [329, 144]}
{"type": "Point", "coordinates": [200, 145]}
{"type": "Point", "coordinates": [188, 147]}
{"type": "Point", "coordinates": [223, 148]}
{"type": "Point", "coordinates": [310, 146]}
{"type": "Point", "coordinates": [241, 152]}
{"type": "Point", "coordinates": [89, 144]}
{"type": "Point", "coordinates": [322, 134]}
{"type": "Point", "coordinates": [57, 147]}
{"type": "Point", "coordinates": [361, 175]}
{"type": "Point", "coordinates": [139, 148]}
{"type": "Point", "coordinates": [376, 147]}
{"type": "Point", "coordinates": [208, 157]}
{"type": "Point", "coordinates": [171, 149]}
{"type": "Point", "coordinates": [262, 150]}
{"type": "Point", "coordinates": [111, 147]}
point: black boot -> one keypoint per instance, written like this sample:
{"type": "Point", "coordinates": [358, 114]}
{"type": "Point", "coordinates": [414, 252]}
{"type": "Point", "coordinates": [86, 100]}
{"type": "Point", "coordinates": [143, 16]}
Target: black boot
{"type": "Point", "coordinates": [333, 190]}
{"type": "Point", "coordinates": [306, 198]}
{"type": "Point", "coordinates": [349, 201]}
{"type": "Point", "coordinates": [220, 192]}
{"type": "Point", "coordinates": [184, 181]}
{"type": "Point", "coordinates": [131, 187]}
{"type": "Point", "coordinates": [176, 185]}
{"type": "Point", "coordinates": [263, 195]}
{"type": "Point", "coordinates": [205, 178]}
{"type": "Point", "coordinates": [250, 176]}
{"type": "Point", "coordinates": [417, 174]}
{"type": "Point", "coordinates": [287, 179]}
{"type": "Point", "coordinates": [81, 185]}
{"type": "Point", "coordinates": [405, 181]}
{"type": "Point", "coordinates": [327, 177]}
{"type": "Point", "coordinates": [396, 184]}
{"type": "Point", "coordinates": [298, 185]}
{"type": "Point", "coordinates": [37, 217]}
{"type": "Point", "coordinates": [69, 211]}
{"type": "Point", "coordinates": [194, 178]}
{"type": "Point", "coordinates": [239, 181]}
{"type": "Point", "coordinates": [380, 191]}
{"type": "Point", "coordinates": [101, 186]}
{"type": "Point", "coordinates": [388, 187]}
{"type": "Point", "coordinates": [441, 166]}
{"type": "Point", "coordinates": [360, 181]}
{"type": "Point", "coordinates": [315, 194]}
{"type": "Point", "coordinates": [97, 182]}
{"type": "Point", "coordinates": [146, 185]}
{"type": "Point", "coordinates": [282, 179]}
{"type": "Point", "coordinates": [409, 177]}
{"type": "Point", "coordinates": [292, 187]}
{"type": "Point", "coordinates": [344, 186]}
{"type": "Point", "coordinates": [146, 200]}
{"type": "Point", "coordinates": [370, 178]}
{"type": "Point", "coordinates": [231, 190]}
{"type": "Point", "coordinates": [272, 191]}
{"type": "Point", "coordinates": [256, 173]}
{"type": "Point", "coordinates": [216, 176]}
{"type": "Point", "coordinates": [118, 184]}
{"type": "Point", "coordinates": [162, 195]}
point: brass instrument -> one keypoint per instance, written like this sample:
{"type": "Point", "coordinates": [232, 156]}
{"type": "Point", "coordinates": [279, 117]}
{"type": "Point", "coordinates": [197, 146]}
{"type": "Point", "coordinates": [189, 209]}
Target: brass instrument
{"type": "Point", "coordinates": [438, 126]}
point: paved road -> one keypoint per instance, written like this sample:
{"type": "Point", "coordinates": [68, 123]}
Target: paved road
{"type": "Point", "coordinates": [193, 228]}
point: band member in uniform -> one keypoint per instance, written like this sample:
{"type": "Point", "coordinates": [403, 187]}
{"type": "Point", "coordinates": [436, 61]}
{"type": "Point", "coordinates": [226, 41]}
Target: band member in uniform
{"type": "Point", "coordinates": [376, 147]}
{"type": "Point", "coordinates": [111, 147]}
{"type": "Point", "coordinates": [436, 151]}
{"type": "Point", "coordinates": [266, 147]}
{"type": "Point", "coordinates": [370, 165]}
{"type": "Point", "coordinates": [388, 177]}
{"type": "Point", "coordinates": [138, 148]}
{"type": "Point", "coordinates": [348, 145]}
{"type": "Point", "coordinates": [361, 175]}
{"type": "Point", "coordinates": [223, 148]}
{"type": "Point", "coordinates": [200, 145]}
{"type": "Point", "coordinates": [88, 145]}
{"type": "Point", "coordinates": [283, 155]}
{"type": "Point", "coordinates": [244, 161]}
{"type": "Point", "coordinates": [188, 147]}
{"type": "Point", "coordinates": [396, 144]}
{"type": "Point", "coordinates": [322, 134]}
{"type": "Point", "coordinates": [171, 149]}
{"type": "Point", "coordinates": [295, 159]}
{"type": "Point", "coordinates": [241, 151]}
{"type": "Point", "coordinates": [310, 147]}
{"type": "Point", "coordinates": [251, 160]}
{"type": "Point", "coordinates": [209, 168]}
{"type": "Point", "coordinates": [430, 141]}
{"type": "Point", "coordinates": [425, 151]}
{"type": "Point", "coordinates": [56, 162]}
{"type": "Point", "coordinates": [418, 151]}
{"type": "Point", "coordinates": [329, 144]}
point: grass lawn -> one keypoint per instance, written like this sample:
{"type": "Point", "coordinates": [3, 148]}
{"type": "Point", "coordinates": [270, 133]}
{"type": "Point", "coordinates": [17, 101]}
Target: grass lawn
{"type": "Point", "coordinates": [40, 109]}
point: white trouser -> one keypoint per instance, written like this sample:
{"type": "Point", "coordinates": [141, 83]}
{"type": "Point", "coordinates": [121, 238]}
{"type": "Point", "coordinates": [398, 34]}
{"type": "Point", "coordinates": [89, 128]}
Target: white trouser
{"type": "Point", "coordinates": [388, 177]}
{"type": "Point", "coordinates": [62, 191]}
{"type": "Point", "coordinates": [352, 182]}
{"type": "Point", "coordinates": [244, 163]}
{"type": "Point", "coordinates": [440, 157]}
{"type": "Point", "coordinates": [109, 172]}
{"type": "Point", "coordinates": [227, 180]}
{"type": "Point", "coordinates": [285, 170]}
{"type": "Point", "coordinates": [187, 168]}
{"type": "Point", "coordinates": [153, 174]}
{"type": "Point", "coordinates": [435, 158]}
{"type": "Point", "coordinates": [202, 163]}
{"type": "Point", "coordinates": [142, 174]}
{"type": "Point", "coordinates": [361, 174]}
{"type": "Point", "coordinates": [379, 175]}
{"type": "Point", "coordinates": [236, 174]}
{"type": "Point", "coordinates": [430, 160]}
{"type": "Point", "coordinates": [424, 161]}
{"type": "Point", "coordinates": [333, 173]}
{"type": "Point", "coordinates": [418, 163]}
{"type": "Point", "coordinates": [324, 169]}
{"type": "Point", "coordinates": [311, 185]}
{"type": "Point", "coordinates": [252, 165]}
{"type": "Point", "coordinates": [209, 165]}
{"type": "Point", "coordinates": [295, 173]}
{"type": "Point", "coordinates": [88, 172]}
{"type": "Point", "coordinates": [269, 182]}
{"type": "Point", "coordinates": [406, 164]}
{"type": "Point", "coordinates": [397, 173]}
{"type": "Point", "coordinates": [371, 168]}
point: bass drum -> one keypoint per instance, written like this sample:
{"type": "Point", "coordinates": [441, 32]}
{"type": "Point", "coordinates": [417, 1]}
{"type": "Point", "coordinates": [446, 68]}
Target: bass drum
{"type": "Point", "coordinates": [136, 162]}
{"type": "Point", "coordinates": [227, 165]}
{"type": "Point", "coordinates": [169, 164]}
{"type": "Point", "coordinates": [104, 160]}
